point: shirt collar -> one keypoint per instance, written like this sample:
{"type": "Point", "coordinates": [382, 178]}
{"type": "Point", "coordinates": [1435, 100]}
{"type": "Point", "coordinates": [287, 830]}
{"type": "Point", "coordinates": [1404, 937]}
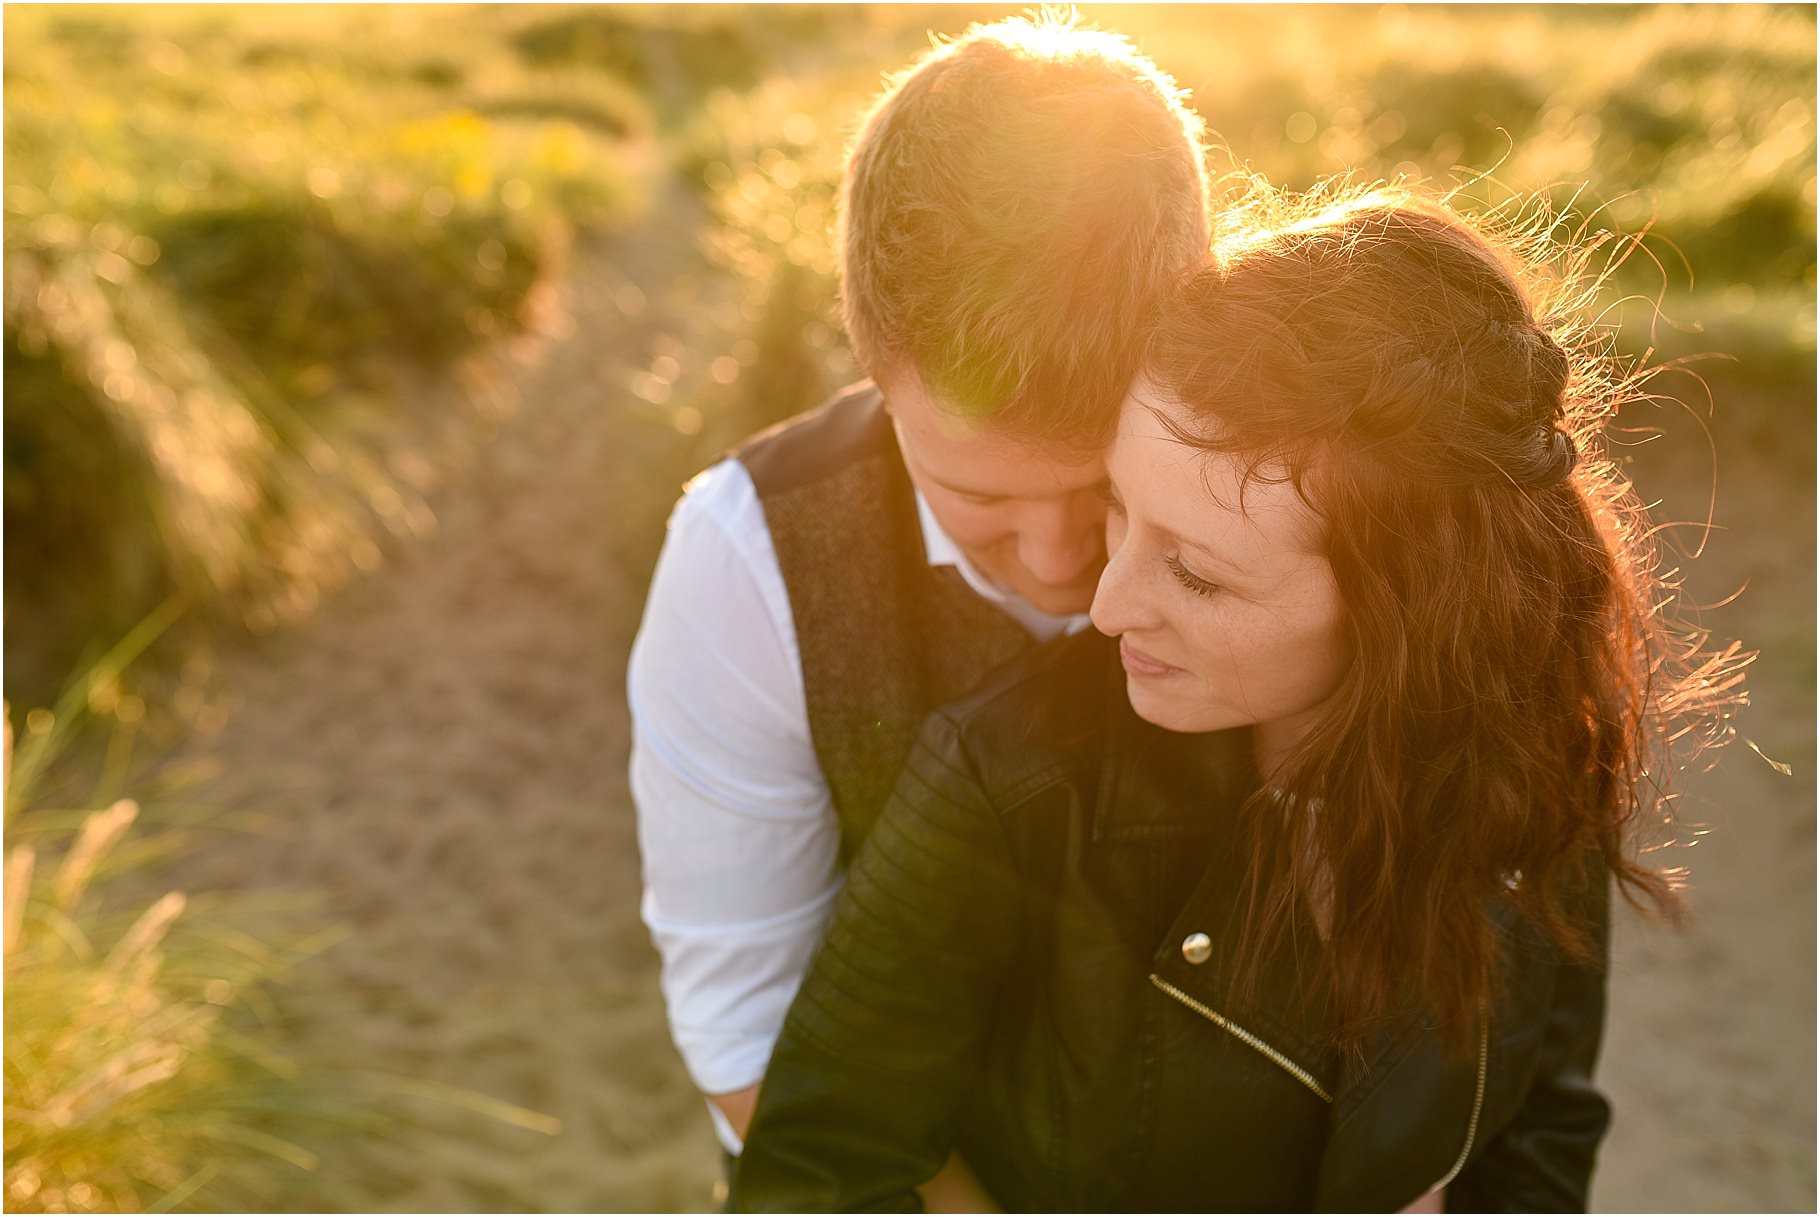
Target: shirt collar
{"type": "Point", "coordinates": [941, 550]}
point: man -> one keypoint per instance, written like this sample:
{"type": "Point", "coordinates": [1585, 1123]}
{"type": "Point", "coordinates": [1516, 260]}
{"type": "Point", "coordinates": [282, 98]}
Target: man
{"type": "Point", "coordinates": [1010, 207]}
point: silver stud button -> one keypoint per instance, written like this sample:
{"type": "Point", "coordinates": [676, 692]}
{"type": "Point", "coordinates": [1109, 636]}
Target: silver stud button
{"type": "Point", "coordinates": [1197, 948]}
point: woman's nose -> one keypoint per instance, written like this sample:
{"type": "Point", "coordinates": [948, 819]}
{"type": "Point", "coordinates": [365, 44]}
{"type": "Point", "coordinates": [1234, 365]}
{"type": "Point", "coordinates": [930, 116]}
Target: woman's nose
{"type": "Point", "coordinates": [1117, 602]}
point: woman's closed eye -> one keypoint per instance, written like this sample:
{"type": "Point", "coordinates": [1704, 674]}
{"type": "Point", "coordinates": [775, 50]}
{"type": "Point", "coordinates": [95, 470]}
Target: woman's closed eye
{"type": "Point", "coordinates": [1188, 579]}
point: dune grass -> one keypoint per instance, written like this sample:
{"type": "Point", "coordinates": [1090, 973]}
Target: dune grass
{"type": "Point", "coordinates": [233, 237]}
{"type": "Point", "coordinates": [167, 1047]}
{"type": "Point", "coordinates": [146, 1058]}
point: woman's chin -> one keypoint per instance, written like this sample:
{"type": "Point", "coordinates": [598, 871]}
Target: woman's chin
{"type": "Point", "coordinates": [1169, 713]}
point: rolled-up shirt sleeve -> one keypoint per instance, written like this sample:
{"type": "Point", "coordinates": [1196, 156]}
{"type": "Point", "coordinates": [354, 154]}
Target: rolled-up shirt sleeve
{"type": "Point", "coordinates": [735, 822]}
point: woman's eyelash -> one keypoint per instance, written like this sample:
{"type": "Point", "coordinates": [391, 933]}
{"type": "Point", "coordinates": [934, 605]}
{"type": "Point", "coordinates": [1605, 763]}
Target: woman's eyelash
{"type": "Point", "coordinates": [1188, 578]}
{"type": "Point", "coordinates": [1108, 496]}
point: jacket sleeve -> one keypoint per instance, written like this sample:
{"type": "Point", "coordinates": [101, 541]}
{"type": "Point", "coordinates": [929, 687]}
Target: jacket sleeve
{"type": "Point", "coordinates": [1542, 1160]}
{"type": "Point", "coordinates": [881, 1047]}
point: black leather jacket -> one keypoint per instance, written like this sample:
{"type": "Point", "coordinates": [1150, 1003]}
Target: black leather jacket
{"type": "Point", "coordinates": [1014, 970]}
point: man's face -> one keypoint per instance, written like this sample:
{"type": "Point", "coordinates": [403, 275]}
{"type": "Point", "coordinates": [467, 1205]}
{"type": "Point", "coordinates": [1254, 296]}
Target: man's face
{"type": "Point", "coordinates": [1029, 518]}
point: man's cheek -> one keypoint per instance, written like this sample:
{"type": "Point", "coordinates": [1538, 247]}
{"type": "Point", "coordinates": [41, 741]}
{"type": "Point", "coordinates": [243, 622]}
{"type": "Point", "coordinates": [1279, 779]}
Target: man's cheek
{"type": "Point", "coordinates": [975, 527]}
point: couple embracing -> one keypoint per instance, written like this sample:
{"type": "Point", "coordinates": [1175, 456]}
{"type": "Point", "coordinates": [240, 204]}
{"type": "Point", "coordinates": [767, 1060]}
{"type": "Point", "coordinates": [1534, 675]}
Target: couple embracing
{"type": "Point", "coordinates": [1165, 741]}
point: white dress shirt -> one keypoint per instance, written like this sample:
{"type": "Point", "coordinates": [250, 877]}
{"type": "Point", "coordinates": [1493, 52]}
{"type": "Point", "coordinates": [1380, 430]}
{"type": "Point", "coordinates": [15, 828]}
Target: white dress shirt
{"type": "Point", "coordinates": [736, 824]}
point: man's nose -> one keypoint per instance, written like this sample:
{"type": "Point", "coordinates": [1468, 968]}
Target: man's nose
{"type": "Point", "coordinates": [1063, 544]}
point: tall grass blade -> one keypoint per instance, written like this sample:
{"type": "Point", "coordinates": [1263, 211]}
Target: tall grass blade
{"type": "Point", "coordinates": [28, 759]}
{"type": "Point", "coordinates": [99, 834]}
{"type": "Point", "coordinates": [474, 1101]}
{"type": "Point", "coordinates": [183, 1191]}
{"type": "Point", "coordinates": [19, 866]}
{"type": "Point", "coordinates": [278, 1147]}
{"type": "Point", "coordinates": [145, 934]}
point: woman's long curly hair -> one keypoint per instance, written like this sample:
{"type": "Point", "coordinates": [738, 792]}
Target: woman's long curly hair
{"type": "Point", "coordinates": [1438, 394]}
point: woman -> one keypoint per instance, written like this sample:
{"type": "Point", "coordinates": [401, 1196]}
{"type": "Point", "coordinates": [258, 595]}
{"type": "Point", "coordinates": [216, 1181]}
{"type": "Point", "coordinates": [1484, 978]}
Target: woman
{"type": "Point", "coordinates": [1294, 896]}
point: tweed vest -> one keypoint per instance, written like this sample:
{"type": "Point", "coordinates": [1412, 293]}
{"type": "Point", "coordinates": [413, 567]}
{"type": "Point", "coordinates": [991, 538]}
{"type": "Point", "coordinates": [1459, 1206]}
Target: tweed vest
{"type": "Point", "coordinates": [884, 637]}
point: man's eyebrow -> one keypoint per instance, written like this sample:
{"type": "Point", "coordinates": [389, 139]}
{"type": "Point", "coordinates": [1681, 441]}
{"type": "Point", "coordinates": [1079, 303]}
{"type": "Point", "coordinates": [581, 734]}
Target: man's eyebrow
{"type": "Point", "coordinates": [953, 489]}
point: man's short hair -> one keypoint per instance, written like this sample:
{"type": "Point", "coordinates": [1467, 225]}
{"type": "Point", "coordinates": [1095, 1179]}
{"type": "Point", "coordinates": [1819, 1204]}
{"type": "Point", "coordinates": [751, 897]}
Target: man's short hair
{"type": "Point", "coordinates": [1012, 206]}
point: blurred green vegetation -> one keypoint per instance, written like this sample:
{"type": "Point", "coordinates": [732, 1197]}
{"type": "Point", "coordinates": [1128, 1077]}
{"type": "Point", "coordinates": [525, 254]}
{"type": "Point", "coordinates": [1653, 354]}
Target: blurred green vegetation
{"type": "Point", "coordinates": [232, 239]}
{"type": "Point", "coordinates": [237, 237]}
{"type": "Point", "coordinates": [1692, 128]}
{"type": "Point", "coordinates": [1693, 124]}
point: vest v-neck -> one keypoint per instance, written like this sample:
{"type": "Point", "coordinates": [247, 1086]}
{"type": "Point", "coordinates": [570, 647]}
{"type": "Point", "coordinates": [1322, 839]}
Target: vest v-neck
{"type": "Point", "coordinates": [883, 638]}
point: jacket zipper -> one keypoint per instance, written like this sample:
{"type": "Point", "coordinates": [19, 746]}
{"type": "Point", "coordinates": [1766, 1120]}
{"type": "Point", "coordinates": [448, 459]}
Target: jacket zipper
{"type": "Point", "coordinates": [1303, 1076]}
{"type": "Point", "coordinates": [1243, 1036]}
{"type": "Point", "coordinates": [1478, 1103]}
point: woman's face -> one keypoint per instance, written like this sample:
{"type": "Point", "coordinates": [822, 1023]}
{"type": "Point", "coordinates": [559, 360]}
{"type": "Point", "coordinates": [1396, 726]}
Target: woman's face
{"type": "Point", "coordinates": [1226, 614]}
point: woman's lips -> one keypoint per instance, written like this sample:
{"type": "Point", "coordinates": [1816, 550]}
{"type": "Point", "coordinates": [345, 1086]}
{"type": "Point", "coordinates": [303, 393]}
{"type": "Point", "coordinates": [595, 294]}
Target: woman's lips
{"type": "Point", "coordinates": [1139, 664]}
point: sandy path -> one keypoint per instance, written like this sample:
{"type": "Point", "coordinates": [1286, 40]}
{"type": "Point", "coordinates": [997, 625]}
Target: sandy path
{"type": "Point", "coordinates": [445, 746]}
{"type": "Point", "coordinates": [1709, 1054]}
